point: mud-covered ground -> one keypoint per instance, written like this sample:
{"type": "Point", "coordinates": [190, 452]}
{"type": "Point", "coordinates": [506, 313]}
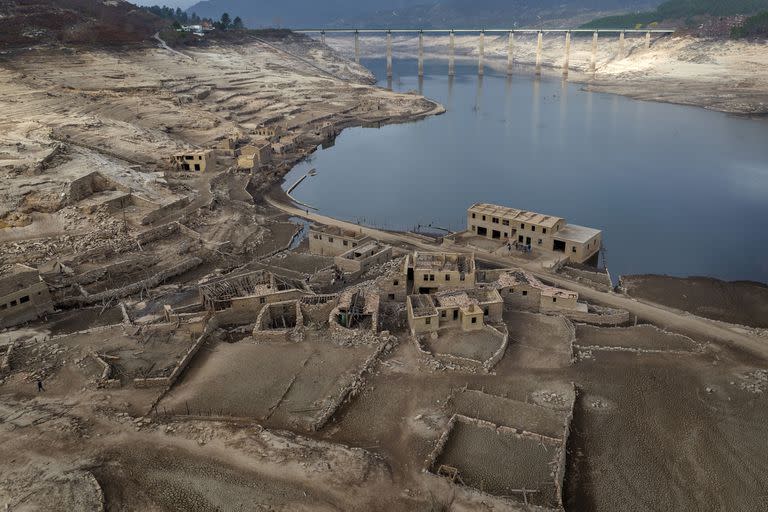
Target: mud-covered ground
{"type": "Point", "coordinates": [737, 302]}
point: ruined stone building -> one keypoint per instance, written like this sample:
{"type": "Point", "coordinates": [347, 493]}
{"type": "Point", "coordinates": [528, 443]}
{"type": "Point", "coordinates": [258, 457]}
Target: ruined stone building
{"type": "Point", "coordinates": [540, 232]}
{"type": "Point", "coordinates": [523, 290]}
{"type": "Point", "coordinates": [286, 144]}
{"type": "Point", "coordinates": [434, 271]}
{"type": "Point", "coordinates": [23, 296]}
{"type": "Point", "coordinates": [247, 293]}
{"type": "Point", "coordinates": [271, 133]}
{"type": "Point", "coordinates": [360, 259]}
{"type": "Point", "coordinates": [256, 154]}
{"type": "Point", "coordinates": [333, 241]}
{"type": "Point", "coordinates": [394, 286]}
{"type": "Point", "coordinates": [201, 161]}
{"type": "Point", "coordinates": [467, 310]}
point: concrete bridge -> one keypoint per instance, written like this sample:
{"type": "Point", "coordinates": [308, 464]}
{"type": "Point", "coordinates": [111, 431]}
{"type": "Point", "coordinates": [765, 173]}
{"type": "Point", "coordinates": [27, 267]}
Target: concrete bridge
{"type": "Point", "coordinates": [481, 41]}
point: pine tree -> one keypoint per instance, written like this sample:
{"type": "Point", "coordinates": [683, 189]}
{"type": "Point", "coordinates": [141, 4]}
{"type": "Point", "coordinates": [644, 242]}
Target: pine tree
{"type": "Point", "coordinates": [225, 21]}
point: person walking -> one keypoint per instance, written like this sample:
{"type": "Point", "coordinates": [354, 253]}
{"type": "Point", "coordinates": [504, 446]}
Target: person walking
{"type": "Point", "coordinates": [40, 387]}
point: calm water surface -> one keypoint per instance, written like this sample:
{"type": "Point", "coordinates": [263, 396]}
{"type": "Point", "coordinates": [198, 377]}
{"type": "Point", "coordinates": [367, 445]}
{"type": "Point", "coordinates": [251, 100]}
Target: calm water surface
{"type": "Point", "coordinates": [676, 190]}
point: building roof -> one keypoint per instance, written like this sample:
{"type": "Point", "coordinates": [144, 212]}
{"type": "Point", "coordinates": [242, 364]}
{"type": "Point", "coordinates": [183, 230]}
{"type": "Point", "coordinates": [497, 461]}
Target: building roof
{"type": "Point", "coordinates": [516, 215]}
{"type": "Point", "coordinates": [579, 234]}
{"type": "Point", "coordinates": [17, 277]}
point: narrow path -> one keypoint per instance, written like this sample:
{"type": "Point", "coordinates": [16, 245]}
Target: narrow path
{"type": "Point", "coordinates": [165, 46]}
{"type": "Point", "coordinates": [662, 316]}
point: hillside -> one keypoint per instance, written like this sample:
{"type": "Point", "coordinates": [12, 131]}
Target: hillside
{"type": "Point", "coordinates": [419, 14]}
{"type": "Point", "coordinates": [682, 13]}
{"type": "Point", "coordinates": [24, 22]}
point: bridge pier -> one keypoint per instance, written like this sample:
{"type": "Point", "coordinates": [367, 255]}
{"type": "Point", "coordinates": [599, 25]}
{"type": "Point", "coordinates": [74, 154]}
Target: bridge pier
{"type": "Point", "coordinates": [510, 52]}
{"type": "Point", "coordinates": [593, 61]}
{"type": "Point", "coordinates": [538, 52]}
{"type": "Point", "coordinates": [421, 53]}
{"type": "Point", "coordinates": [481, 52]}
{"type": "Point", "coordinates": [647, 40]}
{"type": "Point", "coordinates": [389, 54]}
{"type": "Point", "coordinates": [451, 65]}
{"type": "Point", "coordinates": [566, 58]}
{"type": "Point", "coordinates": [357, 47]}
{"type": "Point", "coordinates": [621, 45]}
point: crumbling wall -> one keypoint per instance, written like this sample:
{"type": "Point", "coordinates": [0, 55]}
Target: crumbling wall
{"type": "Point", "coordinates": [563, 450]}
{"type": "Point", "coordinates": [164, 210]}
{"type": "Point", "coordinates": [596, 278]}
{"type": "Point", "coordinates": [210, 327]}
{"type": "Point", "coordinates": [5, 362]}
{"type": "Point", "coordinates": [132, 288]}
{"type": "Point", "coordinates": [121, 267]}
{"type": "Point", "coordinates": [155, 233]}
{"type": "Point", "coordinates": [104, 380]}
{"type": "Point", "coordinates": [317, 308]}
{"type": "Point", "coordinates": [499, 354]}
{"type": "Point", "coordinates": [353, 387]}
{"type": "Point", "coordinates": [91, 183]}
{"type": "Point", "coordinates": [264, 322]}
{"type": "Point", "coordinates": [598, 315]}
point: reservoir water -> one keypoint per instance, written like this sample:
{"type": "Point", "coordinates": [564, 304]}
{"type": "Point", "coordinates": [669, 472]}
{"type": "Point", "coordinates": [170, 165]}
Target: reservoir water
{"type": "Point", "coordinates": [677, 190]}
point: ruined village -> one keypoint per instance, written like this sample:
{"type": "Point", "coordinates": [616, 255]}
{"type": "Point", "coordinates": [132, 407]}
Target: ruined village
{"type": "Point", "coordinates": [179, 334]}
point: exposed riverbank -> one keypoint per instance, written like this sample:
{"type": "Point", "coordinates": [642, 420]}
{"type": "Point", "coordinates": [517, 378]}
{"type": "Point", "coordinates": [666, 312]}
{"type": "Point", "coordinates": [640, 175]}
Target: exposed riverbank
{"type": "Point", "coordinates": [722, 75]}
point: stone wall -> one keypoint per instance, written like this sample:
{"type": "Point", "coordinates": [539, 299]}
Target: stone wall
{"type": "Point", "coordinates": [164, 210]}
{"type": "Point", "coordinates": [597, 315]}
{"type": "Point", "coordinates": [168, 382]}
{"type": "Point", "coordinates": [132, 288]}
{"type": "Point", "coordinates": [353, 387]}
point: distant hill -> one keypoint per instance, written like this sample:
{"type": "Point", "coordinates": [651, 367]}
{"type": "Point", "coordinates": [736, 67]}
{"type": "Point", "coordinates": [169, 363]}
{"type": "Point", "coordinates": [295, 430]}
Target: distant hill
{"type": "Point", "coordinates": [680, 13]}
{"type": "Point", "coordinates": [415, 13]}
{"type": "Point", "coordinates": [25, 22]}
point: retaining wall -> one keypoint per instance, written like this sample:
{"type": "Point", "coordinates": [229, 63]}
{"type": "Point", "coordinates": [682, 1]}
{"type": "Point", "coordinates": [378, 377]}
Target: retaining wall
{"type": "Point", "coordinates": [164, 210]}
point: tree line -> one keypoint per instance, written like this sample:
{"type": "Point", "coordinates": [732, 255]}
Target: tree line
{"type": "Point", "coordinates": [180, 18]}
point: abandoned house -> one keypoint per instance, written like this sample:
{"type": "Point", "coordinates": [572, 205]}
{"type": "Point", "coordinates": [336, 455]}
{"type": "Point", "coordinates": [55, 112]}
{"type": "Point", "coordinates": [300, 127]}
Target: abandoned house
{"type": "Point", "coordinates": [325, 130]}
{"type": "Point", "coordinates": [256, 154]}
{"type": "Point", "coordinates": [333, 241]}
{"type": "Point", "coordinates": [271, 133]}
{"type": "Point", "coordinates": [394, 287]}
{"type": "Point", "coordinates": [434, 271]}
{"type": "Point", "coordinates": [522, 290]}
{"type": "Point", "coordinates": [195, 161]}
{"type": "Point", "coordinates": [467, 310]}
{"type": "Point", "coordinates": [286, 144]}
{"type": "Point", "coordinates": [535, 230]}
{"type": "Point", "coordinates": [357, 308]}
{"type": "Point", "coordinates": [360, 259]}
{"type": "Point", "coordinates": [247, 293]}
{"type": "Point", "coordinates": [24, 296]}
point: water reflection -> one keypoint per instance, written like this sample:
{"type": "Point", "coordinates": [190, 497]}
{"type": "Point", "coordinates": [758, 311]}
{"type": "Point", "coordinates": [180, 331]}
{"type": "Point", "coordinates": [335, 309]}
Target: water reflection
{"type": "Point", "coordinates": [536, 112]}
{"type": "Point", "coordinates": [660, 180]}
